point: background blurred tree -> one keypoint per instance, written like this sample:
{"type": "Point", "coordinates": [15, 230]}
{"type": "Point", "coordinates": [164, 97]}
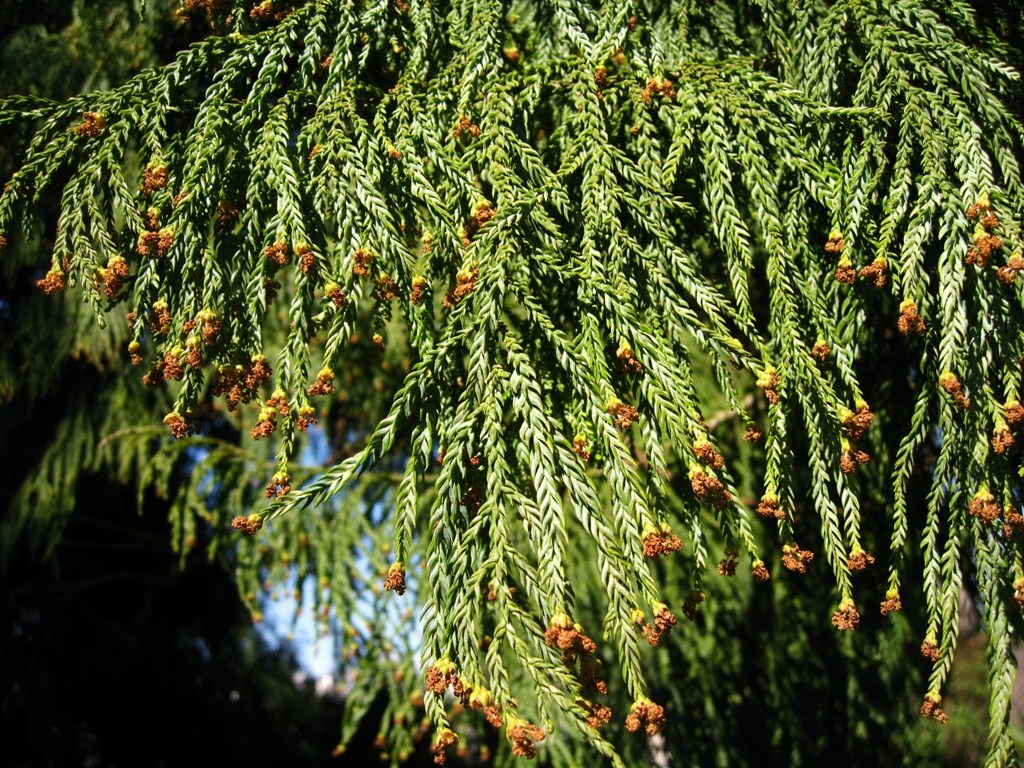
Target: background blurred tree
{"type": "Point", "coordinates": [758, 660]}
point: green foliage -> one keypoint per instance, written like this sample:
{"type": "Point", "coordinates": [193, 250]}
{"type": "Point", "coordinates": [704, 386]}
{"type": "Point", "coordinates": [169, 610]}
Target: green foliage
{"type": "Point", "coordinates": [590, 246]}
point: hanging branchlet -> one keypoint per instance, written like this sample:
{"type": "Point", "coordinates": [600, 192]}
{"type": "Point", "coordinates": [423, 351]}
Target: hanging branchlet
{"type": "Point", "coordinates": [649, 185]}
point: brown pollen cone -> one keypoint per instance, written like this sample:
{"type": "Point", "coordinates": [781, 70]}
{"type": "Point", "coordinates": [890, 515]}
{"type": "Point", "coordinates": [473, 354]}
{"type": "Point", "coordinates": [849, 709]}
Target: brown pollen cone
{"type": "Point", "coordinates": [1013, 522]}
{"type": "Point", "coordinates": [1002, 440]}
{"type": "Point", "coordinates": [661, 542]}
{"type": "Point", "coordinates": [277, 253]}
{"type": "Point", "coordinates": [846, 616]}
{"type": "Point", "coordinates": [856, 424]}
{"type": "Point", "coordinates": [581, 447]}
{"type": "Point", "coordinates": [707, 454]}
{"type": "Point", "coordinates": [859, 560]}
{"type": "Point", "coordinates": [846, 272]}
{"type": "Point", "coordinates": [597, 714]}
{"type": "Point", "coordinates": [709, 488]}
{"type": "Point", "coordinates": [768, 506]}
{"type": "Point", "coordinates": [796, 559]}
{"type": "Point", "coordinates": [1013, 412]}
{"type": "Point", "coordinates": [445, 739]}
{"type": "Point", "coordinates": [439, 676]}
{"type": "Point", "coordinates": [983, 506]}
{"type": "Point", "coordinates": [91, 126]}
{"type": "Point", "coordinates": [394, 581]}
{"type": "Point", "coordinates": [625, 415]}
{"type": "Point", "coordinates": [647, 715]}
{"type": "Point", "coordinates": [910, 321]}
{"type": "Point", "coordinates": [876, 272]}
{"type": "Point", "coordinates": [465, 282]}
{"type": "Point", "coordinates": [524, 736]}
{"type": "Point", "coordinates": [568, 638]}
{"type": "Point", "coordinates": [52, 282]}
{"type": "Point", "coordinates": [930, 649]}
{"type": "Point", "coordinates": [362, 259]}
{"type": "Point", "coordinates": [952, 386]}
{"type": "Point", "coordinates": [891, 603]}
{"type": "Point", "coordinates": [930, 707]}
{"type": "Point", "coordinates": [247, 525]}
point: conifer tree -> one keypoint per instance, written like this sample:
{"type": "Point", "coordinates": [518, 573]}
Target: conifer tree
{"type": "Point", "coordinates": [588, 297]}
